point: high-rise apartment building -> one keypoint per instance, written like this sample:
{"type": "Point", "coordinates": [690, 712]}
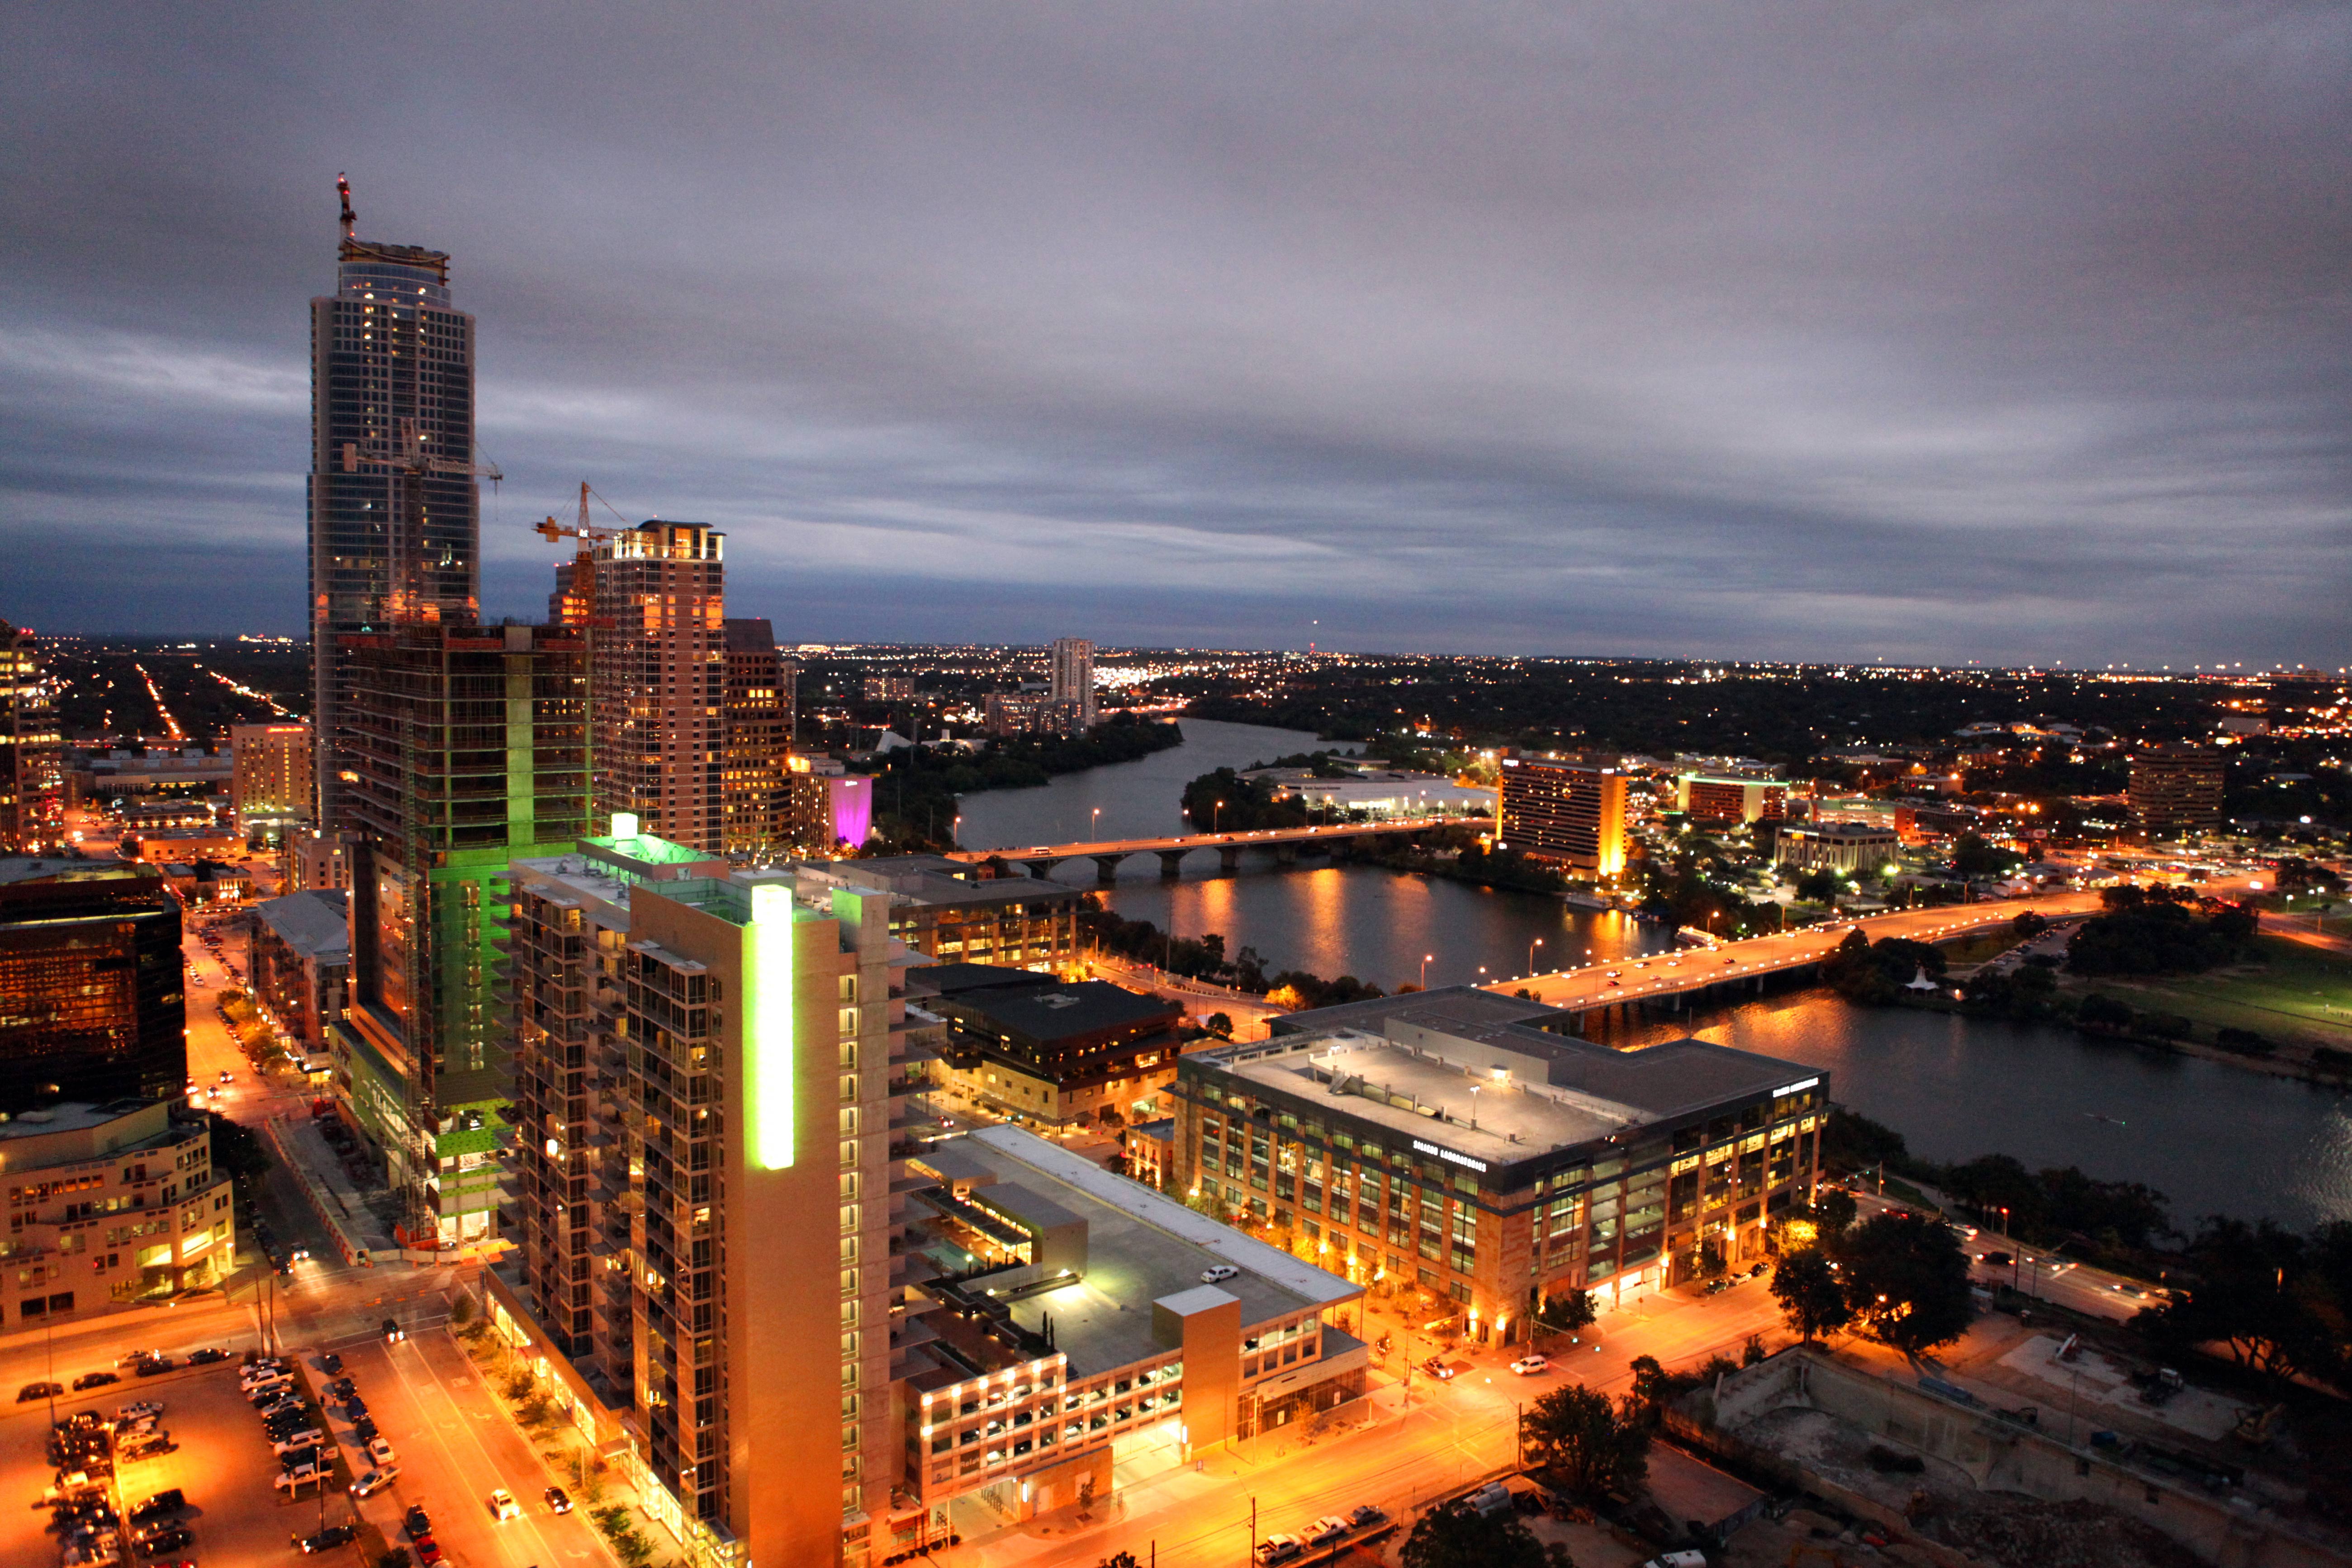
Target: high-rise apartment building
{"type": "Point", "coordinates": [1071, 683]}
{"type": "Point", "coordinates": [467, 747]}
{"type": "Point", "coordinates": [660, 684]}
{"type": "Point", "coordinates": [755, 775]}
{"type": "Point", "coordinates": [2175, 790]}
{"type": "Point", "coordinates": [32, 752]}
{"type": "Point", "coordinates": [394, 515]}
{"type": "Point", "coordinates": [1569, 813]}
{"type": "Point", "coordinates": [707, 1081]}
{"type": "Point", "coordinates": [274, 775]}
{"type": "Point", "coordinates": [89, 969]}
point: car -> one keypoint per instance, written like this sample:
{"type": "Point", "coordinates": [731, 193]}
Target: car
{"type": "Point", "coordinates": [393, 1334]}
{"type": "Point", "coordinates": [149, 1366]}
{"type": "Point", "coordinates": [1217, 1273]}
{"type": "Point", "coordinates": [418, 1523]}
{"type": "Point", "coordinates": [140, 1411]}
{"type": "Point", "coordinates": [327, 1540]}
{"type": "Point", "coordinates": [32, 1390]}
{"type": "Point", "coordinates": [1327, 1530]}
{"type": "Point", "coordinates": [1278, 1549]}
{"type": "Point", "coordinates": [1532, 1365]}
{"type": "Point", "coordinates": [299, 1254]}
{"type": "Point", "coordinates": [95, 1380]}
{"type": "Point", "coordinates": [331, 1363]}
{"type": "Point", "coordinates": [558, 1500]}
{"type": "Point", "coordinates": [341, 1388]}
{"type": "Point", "coordinates": [1435, 1367]}
{"type": "Point", "coordinates": [206, 1356]}
{"type": "Point", "coordinates": [379, 1450]}
{"type": "Point", "coordinates": [376, 1480]}
{"type": "Point", "coordinates": [428, 1551]}
{"type": "Point", "coordinates": [355, 1407]}
{"type": "Point", "coordinates": [288, 1480]}
{"type": "Point", "coordinates": [363, 1429]}
{"type": "Point", "coordinates": [158, 1506]}
{"type": "Point", "coordinates": [227, 1077]}
{"type": "Point", "coordinates": [1994, 1259]}
{"type": "Point", "coordinates": [1683, 1559]}
{"type": "Point", "coordinates": [296, 1442]}
{"type": "Point", "coordinates": [1364, 1515]}
{"type": "Point", "coordinates": [503, 1505]}
{"type": "Point", "coordinates": [171, 1538]}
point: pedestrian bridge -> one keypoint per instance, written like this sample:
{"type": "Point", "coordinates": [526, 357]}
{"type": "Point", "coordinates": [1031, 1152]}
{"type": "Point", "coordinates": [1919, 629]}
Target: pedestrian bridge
{"type": "Point", "coordinates": [1285, 844]}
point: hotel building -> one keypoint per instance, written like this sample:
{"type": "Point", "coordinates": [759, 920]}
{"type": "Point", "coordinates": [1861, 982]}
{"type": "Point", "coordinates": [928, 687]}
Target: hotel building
{"type": "Point", "coordinates": [1443, 1143]}
{"type": "Point", "coordinates": [1566, 813]}
{"type": "Point", "coordinates": [1705, 799]}
{"type": "Point", "coordinates": [273, 777]}
{"type": "Point", "coordinates": [660, 683]}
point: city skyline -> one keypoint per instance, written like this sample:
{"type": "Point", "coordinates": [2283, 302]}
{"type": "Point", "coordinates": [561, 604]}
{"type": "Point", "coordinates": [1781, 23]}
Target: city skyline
{"type": "Point", "coordinates": [1814, 343]}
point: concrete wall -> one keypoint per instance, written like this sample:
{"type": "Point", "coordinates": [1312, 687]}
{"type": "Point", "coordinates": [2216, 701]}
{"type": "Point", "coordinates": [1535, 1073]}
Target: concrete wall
{"type": "Point", "coordinates": [1997, 1455]}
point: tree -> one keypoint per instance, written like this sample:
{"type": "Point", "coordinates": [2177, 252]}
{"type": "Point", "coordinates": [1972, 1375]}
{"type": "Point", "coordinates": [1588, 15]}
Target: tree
{"type": "Point", "coordinates": [1819, 886]}
{"type": "Point", "coordinates": [236, 1151]}
{"type": "Point", "coordinates": [1711, 1262]}
{"type": "Point", "coordinates": [1584, 1445]}
{"type": "Point", "coordinates": [1907, 1279]}
{"type": "Point", "coordinates": [1220, 1025]}
{"type": "Point", "coordinates": [1834, 1210]}
{"type": "Point", "coordinates": [2104, 1013]}
{"type": "Point", "coordinates": [2279, 1301]}
{"type": "Point", "coordinates": [1458, 1536]}
{"type": "Point", "coordinates": [1566, 1312]}
{"type": "Point", "coordinates": [1811, 1295]}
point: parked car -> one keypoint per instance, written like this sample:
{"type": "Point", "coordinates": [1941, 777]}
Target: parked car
{"type": "Point", "coordinates": [327, 1540]}
{"type": "Point", "coordinates": [1364, 1515]}
{"type": "Point", "coordinates": [419, 1522]}
{"type": "Point", "coordinates": [428, 1551]}
{"type": "Point", "coordinates": [1218, 1273]}
{"type": "Point", "coordinates": [379, 1450]}
{"type": "Point", "coordinates": [363, 1429]}
{"type": "Point", "coordinates": [1278, 1549]}
{"type": "Point", "coordinates": [159, 1506]}
{"type": "Point", "coordinates": [171, 1538]}
{"type": "Point", "coordinates": [206, 1356]}
{"type": "Point", "coordinates": [32, 1390]}
{"type": "Point", "coordinates": [95, 1380]}
{"type": "Point", "coordinates": [148, 1366]}
{"type": "Point", "coordinates": [1327, 1530]}
{"type": "Point", "coordinates": [1532, 1365]}
{"type": "Point", "coordinates": [331, 1363]}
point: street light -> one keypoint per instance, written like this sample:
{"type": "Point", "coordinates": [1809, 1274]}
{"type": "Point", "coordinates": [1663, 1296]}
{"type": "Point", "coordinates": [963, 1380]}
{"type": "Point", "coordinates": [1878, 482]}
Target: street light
{"type": "Point", "coordinates": [1531, 957]}
{"type": "Point", "coordinates": [1217, 818]}
{"type": "Point", "coordinates": [1425, 969]}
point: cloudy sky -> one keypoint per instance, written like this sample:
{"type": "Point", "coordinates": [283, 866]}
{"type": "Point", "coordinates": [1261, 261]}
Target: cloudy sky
{"type": "Point", "coordinates": [1945, 330]}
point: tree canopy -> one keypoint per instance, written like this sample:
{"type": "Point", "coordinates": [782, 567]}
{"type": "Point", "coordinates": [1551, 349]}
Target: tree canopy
{"type": "Point", "coordinates": [1907, 1279]}
{"type": "Point", "coordinates": [1584, 1445]}
{"type": "Point", "coordinates": [1811, 1295]}
{"type": "Point", "coordinates": [1458, 1536]}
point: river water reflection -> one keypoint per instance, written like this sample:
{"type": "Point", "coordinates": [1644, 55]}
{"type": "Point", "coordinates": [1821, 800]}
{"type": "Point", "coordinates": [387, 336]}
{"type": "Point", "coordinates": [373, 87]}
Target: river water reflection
{"type": "Point", "coordinates": [2212, 1137]}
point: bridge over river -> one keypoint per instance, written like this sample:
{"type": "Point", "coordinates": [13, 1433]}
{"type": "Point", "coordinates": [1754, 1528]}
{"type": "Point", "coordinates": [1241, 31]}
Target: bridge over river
{"type": "Point", "coordinates": [1285, 844]}
{"type": "Point", "coordinates": [1670, 978]}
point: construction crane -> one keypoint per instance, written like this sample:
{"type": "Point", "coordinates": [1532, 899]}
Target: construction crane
{"type": "Point", "coordinates": [579, 593]}
{"type": "Point", "coordinates": [351, 218]}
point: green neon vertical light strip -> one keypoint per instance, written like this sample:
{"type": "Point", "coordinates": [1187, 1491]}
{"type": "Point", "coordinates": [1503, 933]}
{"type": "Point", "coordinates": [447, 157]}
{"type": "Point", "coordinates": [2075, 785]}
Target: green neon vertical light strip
{"type": "Point", "coordinates": [768, 1024]}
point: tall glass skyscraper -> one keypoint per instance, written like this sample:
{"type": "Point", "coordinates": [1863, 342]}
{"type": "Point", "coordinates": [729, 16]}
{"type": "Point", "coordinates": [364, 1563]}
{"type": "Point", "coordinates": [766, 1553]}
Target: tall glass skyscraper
{"type": "Point", "coordinates": [395, 514]}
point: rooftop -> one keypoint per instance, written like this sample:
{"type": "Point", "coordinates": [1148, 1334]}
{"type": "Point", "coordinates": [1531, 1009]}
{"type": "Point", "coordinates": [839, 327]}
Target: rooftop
{"type": "Point", "coordinates": [1465, 1004]}
{"type": "Point", "coordinates": [313, 922]}
{"type": "Point", "coordinates": [1140, 1247]}
{"type": "Point", "coordinates": [16, 869]}
{"type": "Point", "coordinates": [1487, 1093]}
{"type": "Point", "coordinates": [957, 980]}
{"type": "Point", "coordinates": [1057, 1012]}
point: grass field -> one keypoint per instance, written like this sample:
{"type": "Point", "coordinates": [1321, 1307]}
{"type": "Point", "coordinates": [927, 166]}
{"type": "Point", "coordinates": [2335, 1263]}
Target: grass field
{"type": "Point", "coordinates": [2296, 991]}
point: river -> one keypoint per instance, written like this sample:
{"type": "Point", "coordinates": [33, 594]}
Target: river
{"type": "Point", "coordinates": [2213, 1138]}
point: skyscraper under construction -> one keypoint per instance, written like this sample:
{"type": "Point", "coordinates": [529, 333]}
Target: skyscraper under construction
{"type": "Point", "coordinates": [394, 515]}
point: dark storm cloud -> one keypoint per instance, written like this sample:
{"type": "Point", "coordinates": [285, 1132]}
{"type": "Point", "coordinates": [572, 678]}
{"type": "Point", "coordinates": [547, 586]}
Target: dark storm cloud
{"type": "Point", "coordinates": [1940, 331]}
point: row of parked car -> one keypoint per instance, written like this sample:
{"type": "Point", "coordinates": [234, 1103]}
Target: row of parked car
{"type": "Point", "coordinates": [141, 1363]}
{"type": "Point", "coordinates": [85, 1447]}
{"type": "Point", "coordinates": [1331, 1531]}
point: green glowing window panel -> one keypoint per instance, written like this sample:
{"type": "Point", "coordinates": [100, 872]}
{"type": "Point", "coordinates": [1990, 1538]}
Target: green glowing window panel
{"type": "Point", "coordinates": [768, 1025]}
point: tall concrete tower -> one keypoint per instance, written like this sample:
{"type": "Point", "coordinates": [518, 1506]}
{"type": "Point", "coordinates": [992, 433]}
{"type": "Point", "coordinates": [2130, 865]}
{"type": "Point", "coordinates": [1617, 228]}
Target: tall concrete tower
{"type": "Point", "coordinates": [394, 514]}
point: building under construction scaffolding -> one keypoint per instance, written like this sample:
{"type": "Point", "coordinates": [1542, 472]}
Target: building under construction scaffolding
{"type": "Point", "coordinates": [467, 748]}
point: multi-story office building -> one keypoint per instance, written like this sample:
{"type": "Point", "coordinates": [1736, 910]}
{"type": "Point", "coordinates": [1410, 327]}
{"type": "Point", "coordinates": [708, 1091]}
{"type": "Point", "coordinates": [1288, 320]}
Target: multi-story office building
{"type": "Point", "coordinates": [467, 746]}
{"type": "Point", "coordinates": [1836, 846]}
{"type": "Point", "coordinates": [2175, 790]}
{"type": "Point", "coordinates": [91, 1006]}
{"type": "Point", "coordinates": [273, 778]}
{"type": "Point", "coordinates": [109, 1205]}
{"type": "Point", "coordinates": [394, 515]}
{"type": "Point", "coordinates": [1443, 1143]}
{"type": "Point", "coordinates": [1071, 686]}
{"type": "Point", "coordinates": [660, 688]}
{"type": "Point", "coordinates": [952, 912]}
{"type": "Point", "coordinates": [1015, 712]}
{"type": "Point", "coordinates": [1736, 799]}
{"type": "Point", "coordinates": [298, 959]}
{"type": "Point", "coordinates": [755, 772]}
{"type": "Point", "coordinates": [32, 752]}
{"type": "Point", "coordinates": [708, 1084]}
{"type": "Point", "coordinates": [1569, 813]}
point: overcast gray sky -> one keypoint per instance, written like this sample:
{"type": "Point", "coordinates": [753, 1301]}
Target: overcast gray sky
{"type": "Point", "coordinates": [1930, 331]}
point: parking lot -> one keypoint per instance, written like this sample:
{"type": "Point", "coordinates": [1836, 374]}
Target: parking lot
{"type": "Point", "coordinates": [222, 1463]}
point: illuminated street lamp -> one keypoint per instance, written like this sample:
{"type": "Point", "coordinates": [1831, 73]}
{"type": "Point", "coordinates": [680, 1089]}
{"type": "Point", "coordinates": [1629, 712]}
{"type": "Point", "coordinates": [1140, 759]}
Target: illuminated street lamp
{"type": "Point", "coordinates": [1425, 969]}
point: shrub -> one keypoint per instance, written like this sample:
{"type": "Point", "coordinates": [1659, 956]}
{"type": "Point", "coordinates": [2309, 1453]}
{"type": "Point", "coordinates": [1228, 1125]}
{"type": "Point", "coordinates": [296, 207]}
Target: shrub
{"type": "Point", "coordinates": [2246, 1042]}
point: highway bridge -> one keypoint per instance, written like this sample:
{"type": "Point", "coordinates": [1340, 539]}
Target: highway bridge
{"type": "Point", "coordinates": [1285, 844]}
{"type": "Point", "coordinates": [1671, 979]}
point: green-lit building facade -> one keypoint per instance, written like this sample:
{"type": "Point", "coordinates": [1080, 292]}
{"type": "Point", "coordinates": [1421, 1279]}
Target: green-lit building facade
{"type": "Point", "coordinates": [468, 749]}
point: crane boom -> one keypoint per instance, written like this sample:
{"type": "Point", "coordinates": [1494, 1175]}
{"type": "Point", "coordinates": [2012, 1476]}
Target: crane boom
{"type": "Point", "coordinates": [351, 219]}
{"type": "Point", "coordinates": [579, 595]}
